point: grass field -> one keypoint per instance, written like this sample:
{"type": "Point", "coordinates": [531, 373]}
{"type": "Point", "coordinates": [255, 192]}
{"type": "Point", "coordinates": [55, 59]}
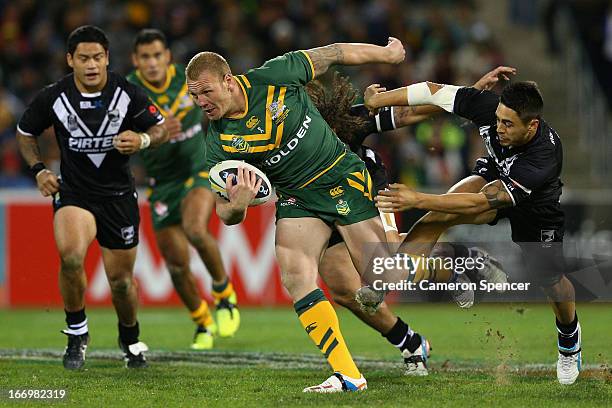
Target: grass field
{"type": "Point", "coordinates": [500, 355]}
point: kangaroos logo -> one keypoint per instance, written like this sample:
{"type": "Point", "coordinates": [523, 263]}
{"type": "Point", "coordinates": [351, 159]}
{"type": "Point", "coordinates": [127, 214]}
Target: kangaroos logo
{"type": "Point", "coordinates": [279, 112]}
{"type": "Point", "coordinates": [240, 144]}
{"type": "Point", "coordinates": [336, 191]}
{"type": "Point", "coordinates": [252, 122]}
{"type": "Point", "coordinates": [342, 207]}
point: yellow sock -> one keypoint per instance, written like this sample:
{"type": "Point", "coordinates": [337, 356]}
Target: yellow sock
{"type": "Point", "coordinates": [320, 321]}
{"type": "Point", "coordinates": [201, 316]}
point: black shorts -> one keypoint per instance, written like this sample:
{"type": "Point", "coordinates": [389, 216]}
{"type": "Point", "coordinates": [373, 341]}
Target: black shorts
{"type": "Point", "coordinates": [117, 219]}
{"type": "Point", "coordinates": [537, 228]}
{"type": "Point", "coordinates": [377, 171]}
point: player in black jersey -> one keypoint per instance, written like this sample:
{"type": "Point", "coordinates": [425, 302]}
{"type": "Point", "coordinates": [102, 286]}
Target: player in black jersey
{"type": "Point", "coordinates": [99, 120]}
{"type": "Point", "coordinates": [518, 180]}
{"type": "Point", "coordinates": [353, 124]}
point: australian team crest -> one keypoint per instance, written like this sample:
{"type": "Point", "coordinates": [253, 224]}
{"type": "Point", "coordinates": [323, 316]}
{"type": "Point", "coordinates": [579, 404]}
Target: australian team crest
{"type": "Point", "coordinates": [240, 144]}
{"type": "Point", "coordinates": [279, 112]}
{"type": "Point", "coordinates": [342, 207]}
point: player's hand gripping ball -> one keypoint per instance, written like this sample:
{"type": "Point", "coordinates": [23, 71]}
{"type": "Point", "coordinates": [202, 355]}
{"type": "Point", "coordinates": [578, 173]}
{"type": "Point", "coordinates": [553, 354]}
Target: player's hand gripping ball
{"type": "Point", "coordinates": [219, 173]}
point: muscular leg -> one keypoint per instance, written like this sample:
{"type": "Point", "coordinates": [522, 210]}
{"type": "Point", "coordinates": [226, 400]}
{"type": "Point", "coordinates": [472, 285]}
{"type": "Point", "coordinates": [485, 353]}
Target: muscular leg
{"type": "Point", "coordinates": [299, 245]}
{"type": "Point", "coordinates": [74, 229]}
{"type": "Point", "coordinates": [300, 242]}
{"type": "Point", "coordinates": [196, 210]}
{"type": "Point", "coordinates": [562, 299]}
{"type": "Point", "coordinates": [119, 266]}
{"type": "Point", "coordinates": [339, 274]}
{"type": "Point", "coordinates": [174, 248]}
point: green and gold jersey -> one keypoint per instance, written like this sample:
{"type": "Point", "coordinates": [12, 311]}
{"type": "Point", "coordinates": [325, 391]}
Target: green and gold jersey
{"type": "Point", "coordinates": [184, 155]}
{"type": "Point", "coordinates": [281, 132]}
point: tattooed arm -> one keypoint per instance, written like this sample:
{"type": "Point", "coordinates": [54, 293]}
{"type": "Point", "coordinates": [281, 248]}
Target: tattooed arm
{"type": "Point", "coordinates": [399, 198]}
{"type": "Point", "coordinates": [355, 54]}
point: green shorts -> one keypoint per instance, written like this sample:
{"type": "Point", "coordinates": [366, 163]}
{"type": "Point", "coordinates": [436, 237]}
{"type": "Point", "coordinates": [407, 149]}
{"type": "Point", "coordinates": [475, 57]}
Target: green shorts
{"type": "Point", "coordinates": [165, 199]}
{"type": "Point", "coordinates": [341, 194]}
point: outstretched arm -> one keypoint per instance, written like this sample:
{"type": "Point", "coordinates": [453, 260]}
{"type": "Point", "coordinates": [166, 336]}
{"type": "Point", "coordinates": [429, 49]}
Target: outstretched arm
{"type": "Point", "coordinates": [400, 198]}
{"type": "Point", "coordinates": [428, 93]}
{"type": "Point", "coordinates": [355, 54]}
{"type": "Point", "coordinates": [409, 115]}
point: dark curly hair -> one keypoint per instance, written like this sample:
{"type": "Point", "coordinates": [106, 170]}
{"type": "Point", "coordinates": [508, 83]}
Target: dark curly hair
{"type": "Point", "coordinates": [334, 103]}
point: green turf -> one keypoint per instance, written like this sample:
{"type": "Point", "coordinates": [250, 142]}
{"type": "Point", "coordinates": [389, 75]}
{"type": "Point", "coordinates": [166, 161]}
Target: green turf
{"type": "Point", "coordinates": [481, 357]}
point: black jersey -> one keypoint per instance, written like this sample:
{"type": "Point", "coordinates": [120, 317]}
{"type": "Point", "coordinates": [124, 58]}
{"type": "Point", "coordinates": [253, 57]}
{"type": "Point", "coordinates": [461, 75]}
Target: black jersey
{"type": "Point", "coordinates": [531, 172]}
{"type": "Point", "coordinates": [85, 125]}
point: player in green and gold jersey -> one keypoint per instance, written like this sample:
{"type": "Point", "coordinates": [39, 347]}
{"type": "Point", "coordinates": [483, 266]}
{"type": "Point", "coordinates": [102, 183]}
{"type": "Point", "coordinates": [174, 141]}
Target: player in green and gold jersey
{"type": "Point", "coordinates": [266, 118]}
{"type": "Point", "coordinates": [181, 203]}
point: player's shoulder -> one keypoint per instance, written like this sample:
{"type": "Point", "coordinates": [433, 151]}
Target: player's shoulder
{"type": "Point", "coordinates": [132, 77]}
{"type": "Point", "coordinates": [116, 80]}
{"type": "Point", "coordinates": [274, 69]}
{"type": "Point", "coordinates": [51, 91]}
{"type": "Point", "coordinates": [119, 81]}
{"type": "Point", "coordinates": [548, 139]}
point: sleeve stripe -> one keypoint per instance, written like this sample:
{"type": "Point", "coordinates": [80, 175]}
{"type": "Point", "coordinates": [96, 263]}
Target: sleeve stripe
{"type": "Point", "coordinates": [24, 133]}
{"type": "Point", "coordinates": [509, 193]}
{"type": "Point", "coordinates": [525, 189]}
{"type": "Point", "coordinates": [310, 62]}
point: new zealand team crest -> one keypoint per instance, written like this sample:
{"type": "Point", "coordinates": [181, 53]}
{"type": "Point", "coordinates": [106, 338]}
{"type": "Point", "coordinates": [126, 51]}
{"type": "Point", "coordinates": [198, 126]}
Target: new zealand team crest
{"type": "Point", "coordinates": [113, 115]}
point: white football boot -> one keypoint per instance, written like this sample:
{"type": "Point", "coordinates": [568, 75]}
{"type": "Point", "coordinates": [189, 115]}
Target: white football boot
{"type": "Point", "coordinates": [416, 363]}
{"type": "Point", "coordinates": [339, 383]}
{"type": "Point", "coordinates": [569, 363]}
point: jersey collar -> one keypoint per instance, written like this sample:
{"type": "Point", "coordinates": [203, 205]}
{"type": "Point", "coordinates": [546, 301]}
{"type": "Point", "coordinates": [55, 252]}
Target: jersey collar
{"type": "Point", "coordinates": [170, 73]}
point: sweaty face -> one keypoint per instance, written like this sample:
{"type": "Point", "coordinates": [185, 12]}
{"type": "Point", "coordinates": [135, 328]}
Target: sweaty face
{"type": "Point", "coordinates": [89, 63]}
{"type": "Point", "coordinates": [211, 93]}
{"type": "Point", "coordinates": [152, 60]}
{"type": "Point", "coordinates": [510, 128]}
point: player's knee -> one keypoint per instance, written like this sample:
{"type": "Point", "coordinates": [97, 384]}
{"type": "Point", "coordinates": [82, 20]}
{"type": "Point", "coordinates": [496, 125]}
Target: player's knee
{"type": "Point", "coordinates": [71, 262]}
{"type": "Point", "coordinates": [442, 250]}
{"type": "Point", "coordinates": [197, 234]}
{"type": "Point", "coordinates": [344, 298]}
{"type": "Point", "coordinates": [178, 271]}
{"type": "Point", "coordinates": [121, 286]}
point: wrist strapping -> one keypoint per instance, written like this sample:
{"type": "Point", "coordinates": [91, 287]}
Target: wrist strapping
{"type": "Point", "coordinates": [145, 140]}
{"type": "Point", "coordinates": [419, 94]}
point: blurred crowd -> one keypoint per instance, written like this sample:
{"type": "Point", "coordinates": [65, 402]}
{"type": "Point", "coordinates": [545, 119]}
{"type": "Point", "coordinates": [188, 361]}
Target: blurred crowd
{"type": "Point", "coordinates": [446, 42]}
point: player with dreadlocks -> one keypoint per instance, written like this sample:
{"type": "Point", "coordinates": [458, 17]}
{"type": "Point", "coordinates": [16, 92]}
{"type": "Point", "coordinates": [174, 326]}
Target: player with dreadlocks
{"type": "Point", "coordinates": [352, 124]}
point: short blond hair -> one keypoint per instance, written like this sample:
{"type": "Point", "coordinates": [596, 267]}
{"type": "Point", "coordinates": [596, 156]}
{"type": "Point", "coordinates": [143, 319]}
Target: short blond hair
{"type": "Point", "coordinates": [207, 61]}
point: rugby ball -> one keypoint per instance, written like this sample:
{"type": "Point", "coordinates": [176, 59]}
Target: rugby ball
{"type": "Point", "coordinates": [220, 172]}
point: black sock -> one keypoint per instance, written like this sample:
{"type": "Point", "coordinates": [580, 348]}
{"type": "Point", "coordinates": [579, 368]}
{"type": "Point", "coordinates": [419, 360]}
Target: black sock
{"type": "Point", "coordinates": [129, 335]}
{"type": "Point", "coordinates": [220, 287]}
{"type": "Point", "coordinates": [461, 251]}
{"type": "Point", "coordinates": [400, 335]}
{"type": "Point", "coordinates": [567, 334]}
{"type": "Point", "coordinates": [76, 322]}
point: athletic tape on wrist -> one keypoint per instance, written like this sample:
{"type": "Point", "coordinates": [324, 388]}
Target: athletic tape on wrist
{"type": "Point", "coordinates": [145, 140]}
{"type": "Point", "coordinates": [419, 94]}
{"type": "Point", "coordinates": [388, 221]}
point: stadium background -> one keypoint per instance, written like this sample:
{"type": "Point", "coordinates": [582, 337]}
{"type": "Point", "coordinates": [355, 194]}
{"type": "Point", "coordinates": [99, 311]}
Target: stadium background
{"type": "Point", "coordinates": [566, 46]}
